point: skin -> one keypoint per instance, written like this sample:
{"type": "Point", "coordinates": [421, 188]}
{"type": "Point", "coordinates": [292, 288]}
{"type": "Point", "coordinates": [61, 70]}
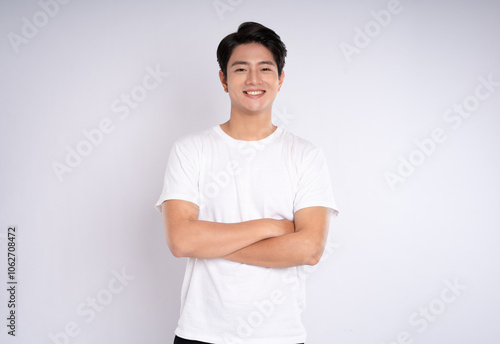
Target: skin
{"type": "Point", "coordinates": [265, 242]}
{"type": "Point", "coordinates": [251, 67]}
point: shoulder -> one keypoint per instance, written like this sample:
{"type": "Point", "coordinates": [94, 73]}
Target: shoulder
{"type": "Point", "coordinates": [193, 137]}
{"type": "Point", "coordinates": [190, 147]}
{"type": "Point", "coordinates": [195, 140]}
{"type": "Point", "coordinates": [299, 146]}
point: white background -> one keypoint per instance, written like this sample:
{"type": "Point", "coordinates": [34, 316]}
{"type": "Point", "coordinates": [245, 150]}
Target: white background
{"type": "Point", "coordinates": [392, 249]}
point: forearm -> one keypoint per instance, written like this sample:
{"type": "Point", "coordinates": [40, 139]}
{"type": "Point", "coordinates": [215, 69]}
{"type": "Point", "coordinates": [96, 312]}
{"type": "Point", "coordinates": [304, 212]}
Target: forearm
{"type": "Point", "coordinates": [189, 237]}
{"type": "Point", "coordinates": [280, 252]}
{"type": "Point", "coordinates": [303, 247]}
{"type": "Point", "coordinates": [204, 239]}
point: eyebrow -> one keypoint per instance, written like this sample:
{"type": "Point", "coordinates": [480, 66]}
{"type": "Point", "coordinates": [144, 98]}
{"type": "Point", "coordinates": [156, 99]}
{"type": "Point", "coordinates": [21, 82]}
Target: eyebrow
{"type": "Point", "coordinates": [246, 63]}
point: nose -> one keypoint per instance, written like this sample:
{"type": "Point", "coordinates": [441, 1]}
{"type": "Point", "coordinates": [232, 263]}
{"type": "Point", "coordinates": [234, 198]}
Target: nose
{"type": "Point", "coordinates": [253, 77]}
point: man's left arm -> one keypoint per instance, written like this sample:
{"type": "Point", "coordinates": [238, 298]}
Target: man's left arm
{"type": "Point", "coordinates": [303, 247]}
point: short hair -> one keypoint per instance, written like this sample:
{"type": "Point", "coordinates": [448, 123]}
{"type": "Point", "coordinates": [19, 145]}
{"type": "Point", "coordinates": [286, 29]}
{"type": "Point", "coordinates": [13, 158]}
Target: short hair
{"type": "Point", "coordinates": [251, 32]}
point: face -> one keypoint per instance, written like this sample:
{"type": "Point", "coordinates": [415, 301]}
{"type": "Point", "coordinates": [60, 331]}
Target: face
{"type": "Point", "coordinates": [252, 79]}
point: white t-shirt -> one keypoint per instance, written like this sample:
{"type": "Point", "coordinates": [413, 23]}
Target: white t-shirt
{"type": "Point", "coordinates": [234, 181]}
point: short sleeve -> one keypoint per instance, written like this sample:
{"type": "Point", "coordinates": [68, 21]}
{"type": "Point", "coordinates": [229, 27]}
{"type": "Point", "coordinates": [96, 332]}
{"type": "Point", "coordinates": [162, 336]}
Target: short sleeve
{"type": "Point", "coordinates": [181, 175]}
{"type": "Point", "coordinates": [314, 187]}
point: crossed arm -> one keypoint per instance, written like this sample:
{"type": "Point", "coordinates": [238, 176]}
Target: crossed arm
{"type": "Point", "coordinates": [265, 242]}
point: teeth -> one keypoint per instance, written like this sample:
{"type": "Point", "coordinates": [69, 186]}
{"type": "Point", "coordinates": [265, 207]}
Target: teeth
{"type": "Point", "coordinates": [254, 93]}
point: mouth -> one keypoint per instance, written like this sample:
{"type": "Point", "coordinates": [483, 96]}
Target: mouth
{"type": "Point", "coordinates": [254, 93]}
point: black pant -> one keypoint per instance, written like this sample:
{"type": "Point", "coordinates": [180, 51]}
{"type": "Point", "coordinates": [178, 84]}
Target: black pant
{"type": "Point", "coordinates": [179, 340]}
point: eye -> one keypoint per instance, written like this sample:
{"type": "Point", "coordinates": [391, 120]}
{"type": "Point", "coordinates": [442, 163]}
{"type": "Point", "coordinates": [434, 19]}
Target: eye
{"type": "Point", "coordinates": [240, 70]}
{"type": "Point", "coordinates": [266, 69]}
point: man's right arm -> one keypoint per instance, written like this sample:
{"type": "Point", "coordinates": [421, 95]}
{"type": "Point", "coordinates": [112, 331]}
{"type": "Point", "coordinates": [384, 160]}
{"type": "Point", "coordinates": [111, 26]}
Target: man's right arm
{"type": "Point", "coordinates": [189, 237]}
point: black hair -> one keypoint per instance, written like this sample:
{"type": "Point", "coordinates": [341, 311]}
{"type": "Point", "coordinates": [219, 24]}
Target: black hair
{"type": "Point", "coordinates": [250, 32]}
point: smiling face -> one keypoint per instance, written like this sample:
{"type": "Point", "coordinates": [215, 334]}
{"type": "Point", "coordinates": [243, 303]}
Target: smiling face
{"type": "Point", "coordinates": [252, 79]}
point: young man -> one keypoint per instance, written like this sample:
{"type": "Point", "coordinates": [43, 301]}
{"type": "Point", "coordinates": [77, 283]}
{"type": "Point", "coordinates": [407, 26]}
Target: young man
{"type": "Point", "coordinates": [248, 203]}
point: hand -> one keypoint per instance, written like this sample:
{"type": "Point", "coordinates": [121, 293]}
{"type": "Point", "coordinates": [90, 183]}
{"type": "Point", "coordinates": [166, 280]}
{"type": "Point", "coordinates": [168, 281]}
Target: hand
{"type": "Point", "coordinates": [285, 226]}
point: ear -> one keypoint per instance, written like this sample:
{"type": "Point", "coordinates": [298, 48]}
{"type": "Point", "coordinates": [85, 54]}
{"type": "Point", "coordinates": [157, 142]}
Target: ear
{"type": "Point", "coordinates": [223, 81]}
{"type": "Point", "coordinates": [282, 78]}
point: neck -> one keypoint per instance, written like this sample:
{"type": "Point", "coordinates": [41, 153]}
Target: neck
{"type": "Point", "coordinates": [249, 127]}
